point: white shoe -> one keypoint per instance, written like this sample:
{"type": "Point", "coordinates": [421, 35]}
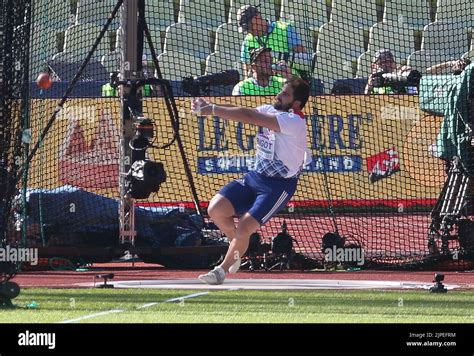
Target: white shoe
{"type": "Point", "coordinates": [214, 277]}
{"type": "Point", "coordinates": [235, 267]}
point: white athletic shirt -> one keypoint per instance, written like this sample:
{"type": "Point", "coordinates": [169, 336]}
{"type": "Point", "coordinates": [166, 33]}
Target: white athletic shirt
{"type": "Point", "coordinates": [282, 154]}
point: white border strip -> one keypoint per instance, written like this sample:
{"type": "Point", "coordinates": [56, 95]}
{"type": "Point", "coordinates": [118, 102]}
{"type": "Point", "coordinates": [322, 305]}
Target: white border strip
{"type": "Point", "coordinates": [114, 311]}
{"type": "Point", "coordinates": [274, 284]}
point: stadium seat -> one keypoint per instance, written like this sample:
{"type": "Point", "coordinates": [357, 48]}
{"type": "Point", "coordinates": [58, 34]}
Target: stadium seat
{"type": "Point", "coordinates": [329, 68]}
{"type": "Point", "coordinates": [448, 37]}
{"type": "Point", "coordinates": [155, 36]}
{"type": "Point", "coordinates": [217, 62]}
{"type": "Point", "coordinates": [364, 63]}
{"type": "Point", "coordinates": [228, 39]}
{"type": "Point", "coordinates": [96, 12]}
{"type": "Point", "coordinates": [363, 13]}
{"type": "Point", "coordinates": [423, 59]}
{"type": "Point", "coordinates": [202, 13]}
{"type": "Point", "coordinates": [181, 37]}
{"type": "Point", "coordinates": [159, 13]}
{"type": "Point", "coordinates": [395, 36]}
{"type": "Point", "coordinates": [469, 55]}
{"type": "Point", "coordinates": [79, 39]}
{"type": "Point", "coordinates": [66, 66]}
{"type": "Point", "coordinates": [111, 61]}
{"type": "Point", "coordinates": [307, 38]}
{"type": "Point", "coordinates": [307, 16]}
{"type": "Point", "coordinates": [43, 45]}
{"type": "Point", "coordinates": [414, 13]}
{"type": "Point", "coordinates": [177, 65]}
{"type": "Point", "coordinates": [53, 13]}
{"type": "Point", "coordinates": [267, 8]}
{"type": "Point", "coordinates": [460, 11]}
{"type": "Point", "coordinates": [341, 39]}
{"type": "Point", "coordinates": [68, 57]}
{"type": "Point", "coordinates": [155, 33]}
{"type": "Point", "coordinates": [310, 14]}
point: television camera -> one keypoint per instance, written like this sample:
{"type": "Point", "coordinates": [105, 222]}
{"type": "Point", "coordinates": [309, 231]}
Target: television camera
{"type": "Point", "coordinates": [195, 85]}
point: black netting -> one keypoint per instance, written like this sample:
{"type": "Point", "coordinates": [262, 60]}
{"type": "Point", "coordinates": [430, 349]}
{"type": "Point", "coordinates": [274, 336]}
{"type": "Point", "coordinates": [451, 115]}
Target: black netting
{"type": "Point", "coordinates": [381, 140]}
{"type": "Point", "coordinates": [14, 118]}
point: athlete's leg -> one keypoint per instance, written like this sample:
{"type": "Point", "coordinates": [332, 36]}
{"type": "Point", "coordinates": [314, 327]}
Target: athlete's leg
{"type": "Point", "coordinates": [233, 199]}
{"type": "Point", "coordinates": [267, 196]}
{"type": "Point", "coordinates": [246, 227]}
{"type": "Point", "coordinates": [272, 197]}
{"type": "Point", "coordinates": [222, 213]}
{"type": "Point", "coordinates": [237, 248]}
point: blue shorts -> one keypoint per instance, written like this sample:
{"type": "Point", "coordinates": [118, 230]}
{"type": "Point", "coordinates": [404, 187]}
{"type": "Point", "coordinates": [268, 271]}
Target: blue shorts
{"type": "Point", "coordinates": [260, 196]}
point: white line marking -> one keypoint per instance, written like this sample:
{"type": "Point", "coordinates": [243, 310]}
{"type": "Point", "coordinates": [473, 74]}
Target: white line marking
{"type": "Point", "coordinates": [107, 312]}
{"type": "Point", "coordinates": [92, 316]}
{"type": "Point", "coordinates": [178, 299]}
{"type": "Point", "coordinates": [148, 305]}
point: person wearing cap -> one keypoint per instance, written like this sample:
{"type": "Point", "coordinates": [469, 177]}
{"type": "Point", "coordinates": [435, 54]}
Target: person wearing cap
{"type": "Point", "coordinates": [265, 80]}
{"type": "Point", "coordinates": [279, 36]}
{"type": "Point", "coordinates": [384, 62]}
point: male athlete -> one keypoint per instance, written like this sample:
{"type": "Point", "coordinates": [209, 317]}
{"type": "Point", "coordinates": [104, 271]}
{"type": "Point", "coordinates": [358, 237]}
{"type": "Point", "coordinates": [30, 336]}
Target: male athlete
{"type": "Point", "coordinates": [261, 193]}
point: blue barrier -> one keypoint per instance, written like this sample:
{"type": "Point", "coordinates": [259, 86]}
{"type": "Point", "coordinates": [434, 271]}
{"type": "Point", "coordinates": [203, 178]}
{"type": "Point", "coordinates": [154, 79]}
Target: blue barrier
{"type": "Point", "coordinates": [350, 86]}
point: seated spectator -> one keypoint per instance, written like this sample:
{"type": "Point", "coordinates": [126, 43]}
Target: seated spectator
{"type": "Point", "coordinates": [383, 62]}
{"type": "Point", "coordinates": [265, 80]}
{"type": "Point", "coordinates": [278, 36]}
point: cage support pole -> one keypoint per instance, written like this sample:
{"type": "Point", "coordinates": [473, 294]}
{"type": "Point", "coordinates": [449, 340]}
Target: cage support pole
{"type": "Point", "coordinates": [130, 101]}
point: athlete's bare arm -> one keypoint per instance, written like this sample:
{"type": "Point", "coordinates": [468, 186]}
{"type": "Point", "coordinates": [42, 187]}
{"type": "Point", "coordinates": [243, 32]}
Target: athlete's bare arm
{"type": "Point", "coordinates": [237, 113]}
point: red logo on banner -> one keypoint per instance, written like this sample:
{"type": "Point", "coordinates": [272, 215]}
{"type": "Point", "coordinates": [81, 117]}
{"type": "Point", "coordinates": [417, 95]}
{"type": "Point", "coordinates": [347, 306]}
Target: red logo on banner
{"type": "Point", "coordinates": [90, 166]}
{"type": "Point", "coordinates": [383, 164]}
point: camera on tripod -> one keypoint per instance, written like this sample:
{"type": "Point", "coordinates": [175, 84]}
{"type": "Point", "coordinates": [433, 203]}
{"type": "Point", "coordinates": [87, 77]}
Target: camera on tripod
{"type": "Point", "coordinates": [409, 78]}
{"type": "Point", "coordinates": [450, 96]}
{"type": "Point", "coordinates": [194, 85]}
{"type": "Point", "coordinates": [144, 131]}
{"type": "Point", "coordinates": [144, 176]}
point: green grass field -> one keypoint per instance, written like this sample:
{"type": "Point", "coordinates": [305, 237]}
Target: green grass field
{"type": "Point", "coordinates": [56, 305]}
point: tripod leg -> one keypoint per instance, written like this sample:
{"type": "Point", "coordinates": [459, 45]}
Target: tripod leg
{"type": "Point", "coordinates": [432, 247]}
{"type": "Point", "coordinates": [447, 209]}
{"type": "Point", "coordinates": [451, 190]}
{"type": "Point", "coordinates": [461, 198]}
{"type": "Point", "coordinates": [455, 204]}
{"type": "Point", "coordinates": [435, 213]}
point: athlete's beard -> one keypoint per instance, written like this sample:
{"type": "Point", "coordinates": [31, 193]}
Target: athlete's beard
{"type": "Point", "coordinates": [280, 106]}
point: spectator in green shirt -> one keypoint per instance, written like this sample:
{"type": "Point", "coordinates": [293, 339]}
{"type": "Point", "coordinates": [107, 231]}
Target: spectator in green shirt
{"type": "Point", "coordinates": [265, 79]}
{"type": "Point", "coordinates": [278, 36]}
